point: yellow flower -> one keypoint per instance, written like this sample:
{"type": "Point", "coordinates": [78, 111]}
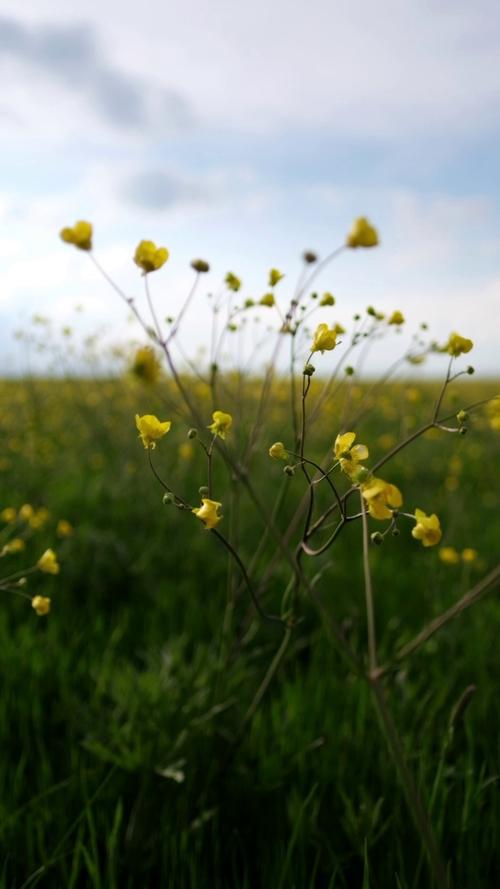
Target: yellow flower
{"type": "Point", "coordinates": [149, 257]}
{"type": "Point", "coordinates": [39, 518]}
{"type": "Point", "coordinates": [80, 235]}
{"type": "Point", "coordinates": [348, 454]}
{"type": "Point", "coordinates": [41, 604]}
{"type": "Point", "coordinates": [469, 554]}
{"type": "Point", "coordinates": [151, 429]}
{"type": "Point", "coordinates": [233, 283]}
{"type": "Point", "coordinates": [339, 330]}
{"type": "Point", "coordinates": [8, 515]}
{"type": "Point", "coordinates": [209, 512]}
{"type": "Point", "coordinates": [64, 528]}
{"type": "Point", "coordinates": [449, 555]}
{"type": "Point", "coordinates": [221, 423]}
{"type": "Point", "coordinates": [362, 234]}
{"type": "Point", "coordinates": [494, 414]}
{"type": "Point", "coordinates": [380, 496]}
{"type": "Point", "coordinates": [16, 545]}
{"type": "Point", "coordinates": [327, 300]}
{"type": "Point", "coordinates": [324, 339]}
{"type": "Point", "coordinates": [427, 529]}
{"type": "Point", "coordinates": [396, 318]}
{"type": "Point", "coordinates": [186, 451]}
{"type": "Point", "coordinates": [48, 562]}
{"type": "Point", "coordinates": [274, 277]}
{"type": "Point", "coordinates": [26, 512]}
{"type": "Point", "coordinates": [278, 451]}
{"type": "Point", "coordinates": [146, 365]}
{"type": "Point", "coordinates": [267, 300]}
{"type": "Point", "coordinates": [457, 344]}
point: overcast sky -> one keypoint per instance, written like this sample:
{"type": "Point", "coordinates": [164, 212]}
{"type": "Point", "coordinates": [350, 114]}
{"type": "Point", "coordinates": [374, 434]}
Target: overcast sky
{"type": "Point", "coordinates": [244, 133]}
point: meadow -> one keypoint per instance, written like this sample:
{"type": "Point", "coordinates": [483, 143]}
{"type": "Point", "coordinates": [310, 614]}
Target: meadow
{"type": "Point", "coordinates": [209, 704]}
{"type": "Point", "coordinates": [123, 759]}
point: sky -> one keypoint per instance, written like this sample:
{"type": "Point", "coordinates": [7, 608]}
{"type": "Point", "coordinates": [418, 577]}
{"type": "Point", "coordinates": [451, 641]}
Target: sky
{"type": "Point", "coordinates": [244, 134]}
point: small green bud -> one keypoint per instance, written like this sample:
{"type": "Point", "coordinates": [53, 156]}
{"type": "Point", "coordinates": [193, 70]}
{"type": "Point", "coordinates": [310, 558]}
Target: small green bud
{"type": "Point", "coordinates": [463, 430]}
{"type": "Point", "coordinates": [377, 538]}
{"type": "Point", "coordinates": [308, 370]}
{"type": "Point", "coordinates": [462, 416]}
{"type": "Point", "coordinates": [289, 470]}
{"type": "Point", "coordinates": [200, 265]}
{"type": "Point", "coordinates": [395, 532]}
{"type": "Point", "coordinates": [314, 295]}
{"type": "Point", "coordinates": [168, 498]}
{"type": "Point", "coordinates": [192, 433]}
{"type": "Point", "coordinates": [309, 256]}
{"type": "Point", "coordinates": [356, 317]}
{"type": "Point", "coordinates": [470, 370]}
{"type": "Point", "coordinates": [349, 371]}
{"type": "Point", "coordinates": [370, 311]}
{"type": "Point", "coordinates": [203, 491]}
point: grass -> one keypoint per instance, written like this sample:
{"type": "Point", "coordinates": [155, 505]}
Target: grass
{"type": "Point", "coordinates": [124, 762]}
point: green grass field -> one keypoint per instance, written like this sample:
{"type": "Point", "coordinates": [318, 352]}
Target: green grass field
{"type": "Point", "coordinates": [127, 758]}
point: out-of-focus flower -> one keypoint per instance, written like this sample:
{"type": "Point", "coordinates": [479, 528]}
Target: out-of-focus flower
{"type": "Point", "coordinates": [274, 277]}
{"type": "Point", "coordinates": [145, 365]}
{"type": "Point", "coordinates": [427, 528]}
{"type": "Point", "coordinates": [26, 512]}
{"type": "Point", "coordinates": [16, 545]}
{"type": "Point", "coordinates": [200, 265]}
{"type": "Point", "coordinates": [267, 300]}
{"type": "Point", "coordinates": [8, 515]}
{"type": "Point", "coordinates": [64, 528]}
{"type": "Point", "coordinates": [41, 605]}
{"type": "Point", "coordinates": [233, 283]}
{"type": "Point", "coordinates": [469, 554]}
{"type": "Point", "coordinates": [209, 512]}
{"type": "Point", "coordinates": [80, 234]}
{"type": "Point", "coordinates": [324, 339]}
{"type": "Point", "coordinates": [381, 497]}
{"type": "Point", "coordinates": [458, 345]}
{"type": "Point", "coordinates": [494, 414]}
{"type": "Point", "coordinates": [278, 451]}
{"type": "Point", "coordinates": [221, 423]}
{"type": "Point", "coordinates": [348, 454]}
{"type": "Point", "coordinates": [39, 518]}
{"type": "Point", "coordinates": [48, 562]}
{"type": "Point", "coordinates": [327, 299]}
{"type": "Point", "coordinates": [397, 318]}
{"type": "Point", "coordinates": [449, 555]}
{"type": "Point", "coordinates": [151, 429]}
{"type": "Point", "coordinates": [149, 257]}
{"type": "Point", "coordinates": [362, 234]}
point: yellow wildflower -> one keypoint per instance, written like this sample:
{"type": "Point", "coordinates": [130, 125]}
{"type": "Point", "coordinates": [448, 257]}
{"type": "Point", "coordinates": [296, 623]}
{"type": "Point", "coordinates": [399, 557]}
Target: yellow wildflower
{"type": "Point", "coordinates": [209, 512]}
{"type": "Point", "coordinates": [80, 234]}
{"type": "Point", "coordinates": [151, 429]}
{"type": "Point", "coordinates": [494, 414]}
{"type": "Point", "coordinates": [233, 283]}
{"type": "Point", "coordinates": [41, 604]}
{"type": "Point", "coordinates": [267, 300]}
{"type": "Point", "coordinates": [327, 299]}
{"type": "Point", "coordinates": [39, 518]}
{"type": "Point", "coordinates": [396, 318]}
{"type": "Point", "coordinates": [381, 497]}
{"type": "Point", "coordinates": [278, 451]}
{"type": "Point", "coordinates": [8, 515]}
{"type": "Point", "coordinates": [427, 529]}
{"type": "Point", "coordinates": [274, 277]}
{"type": "Point", "coordinates": [362, 234]}
{"type": "Point", "coordinates": [48, 562]}
{"type": "Point", "coordinates": [457, 344]}
{"type": "Point", "coordinates": [449, 555]}
{"type": "Point", "coordinates": [324, 339]}
{"type": "Point", "coordinates": [469, 554]}
{"type": "Point", "coordinates": [64, 528]}
{"type": "Point", "coordinates": [145, 365]}
{"type": "Point", "coordinates": [348, 454]}
{"type": "Point", "coordinates": [186, 451]}
{"type": "Point", "coordinates": [26, 512]}
{"type": "Point", "coordinates": [149, 257]}
{"type": "Point", "coordinates": [16, 545]}
{"type": "Point", "coordinates": [221, 423]}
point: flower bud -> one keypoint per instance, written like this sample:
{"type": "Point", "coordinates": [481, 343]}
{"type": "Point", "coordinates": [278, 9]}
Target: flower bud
{"type": "Point", "coordinates": [308, 370]}
{"type": "Point", "coordinates": [203, 491]}
{"type": "Point", "coordinates": [349, 371]}
{"type": "Point", "coordinates": [462, 416]}
{"type": "Point", "coordinates": [470, 370]}
{"type": "Point", "coordinates": [192, 433]}
{"type": "Point", "coordinates": [309, 256]}
{"type": "Point", "coordinates": [289, 470]}
{"type": "Point", "coordinates": [463, 430]}
{"type": "Point", "coordinates": [200, 265]}
{"type": "Point", "coordinates": [395, 532]}
{"type": "Point", "coordinates": [168, 498]}
{"type": "Point", "coordinates": [377, 538]}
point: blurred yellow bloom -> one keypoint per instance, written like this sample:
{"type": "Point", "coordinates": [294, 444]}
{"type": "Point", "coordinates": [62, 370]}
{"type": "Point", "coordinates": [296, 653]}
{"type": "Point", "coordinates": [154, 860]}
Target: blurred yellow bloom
{"type": "Point", "coordinates": [449, 555]}
{"type": "Point", "coordinates": [469, 554]}
{"type": "Point", "coordinates": [274, 277]}
{"type": "Point", "coordinates": [39, 518]}
{"type": "Point", "coordinates": [80, 234]}
{"type": "Point", "coordinates": [48, 562]}
{"type": "Point", "coordinates": [16, 545]}
{"type": "Point", "coordinates": [26, 512]}
{"type": "Point", "coordinates": [41, 604]}
{"type": "Point", "coordinates": [494, 414]}
{"type": "Point", "coordinates": [221, 423]}
{"type": "Point", "coordinates": [348, 454]}
{"type": "Point", "coordinates": [327, 299]}
{"type": "Point", "coordinates": [396, 318]}
{"type": "Point", "coordinates": [186, 451]}
{"type": "Point", "coordinates": [457, 344]}
{"type": "Point", "coordinates": [324, 339]}
{"type": "Point", "coordinates": [145, 365]}
{"type": "Point", "coordinates": [64, 528]}
{"type": "Point", "coordinates": [427, 529]}
{"type": "Point", "coordinates": [267, 300]}
{"type": "Point", "coordinates": [209, 512]}
{"type": "Point", "coordinates": [380, 496]}
{"type": "Point", "coordinates": [8, 514]}
{"type": "Point", "coordinates": [278, 451]}
{"type": "Point", "coordinates": [149, 257]}
{"type": "Point", "coordinates": [233, 283]}
{"type": "Point", "coordinates": [362, 234]}
{"type": "Point", "coordinates": [151, 429]}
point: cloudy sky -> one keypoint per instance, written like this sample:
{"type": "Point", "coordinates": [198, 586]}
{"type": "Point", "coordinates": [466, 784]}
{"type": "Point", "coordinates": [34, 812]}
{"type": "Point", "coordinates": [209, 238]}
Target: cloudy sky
{"type": "Point", "coordinates": [244, 133]}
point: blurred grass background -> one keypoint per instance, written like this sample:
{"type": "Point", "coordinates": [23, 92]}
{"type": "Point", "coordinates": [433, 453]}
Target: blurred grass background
{"type": "Point", "coordinates": [119, 711]}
